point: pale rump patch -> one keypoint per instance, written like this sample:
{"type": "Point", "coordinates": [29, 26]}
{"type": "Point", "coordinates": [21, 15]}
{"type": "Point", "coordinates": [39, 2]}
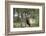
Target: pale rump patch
{"type": "Point", "coordinates": [31, 21]}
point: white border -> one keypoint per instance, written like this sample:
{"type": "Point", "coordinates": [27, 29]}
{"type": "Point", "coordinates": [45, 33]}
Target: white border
{"type": "Point", "coordinates": [25, 29]}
